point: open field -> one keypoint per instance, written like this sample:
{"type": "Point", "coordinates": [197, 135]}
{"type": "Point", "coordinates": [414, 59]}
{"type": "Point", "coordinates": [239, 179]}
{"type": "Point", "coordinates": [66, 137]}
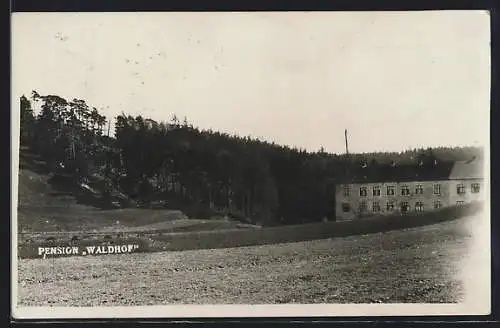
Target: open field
{"type": "Point", "coordinates": [411, 265]}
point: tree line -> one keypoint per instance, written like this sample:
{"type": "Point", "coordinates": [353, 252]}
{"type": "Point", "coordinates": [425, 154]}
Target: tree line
{"type": "Point", "coordinates": [191, 168]}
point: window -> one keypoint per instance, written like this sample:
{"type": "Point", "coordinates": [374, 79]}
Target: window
{"type": "Point", "coordinates": [362, 207]}
{"type": "Point", "coordinates": [390, 190]}
{"type": "Point", "coordinates": [437, 204]}
{"type": "Point", "coordinates": [405, 190]}
{"type": "Point", "coordinates": [346, 207]}
{"type": "Point", "coordinates": [376, 191]}
{"type": "Point", "coordinates": [419, 207]}
{"type": "Point", "coordinates": [461, 189]}
{"type": "Point", "coordinates": [363, 192]}
{"type": "Point", "coordinates": [390, 206]}
{"type": "Point", "coordinates": [475, 188]}
{"type": "Point", "coordinates": [376, 207]}
{"type": "Point", "coordinates": [437, 189]}
{"type": "Point", "coordinates": [460, 202]}
{"type": "Point", "coordinates": [419, 189]}
{"type": "Point", "coordinates": [405, 207]}
{"type": "Point", "coordinates": [347, 191]}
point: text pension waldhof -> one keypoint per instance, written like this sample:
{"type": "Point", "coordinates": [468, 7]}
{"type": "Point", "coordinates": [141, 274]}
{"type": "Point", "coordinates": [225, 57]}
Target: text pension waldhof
{"type": "Point", "coordinates": [87, 250]}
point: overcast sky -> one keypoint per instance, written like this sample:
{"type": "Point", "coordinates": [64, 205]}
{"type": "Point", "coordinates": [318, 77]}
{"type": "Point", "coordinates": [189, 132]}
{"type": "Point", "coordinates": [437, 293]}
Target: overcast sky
{"type": "Point", "coordinates": [395, 80]}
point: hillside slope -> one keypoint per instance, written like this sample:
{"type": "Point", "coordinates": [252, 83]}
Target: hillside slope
{"type": "Point", "coordinates": [34, 188]}
{"type": "Point", "coordinates": [44, 206]}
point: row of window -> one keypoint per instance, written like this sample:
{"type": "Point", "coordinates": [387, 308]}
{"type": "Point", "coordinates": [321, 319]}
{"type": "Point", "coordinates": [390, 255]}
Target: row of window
{"type": "Point", "coordinates": [405, 190]}
{"type": "Point", "coordinates": [390, 206]}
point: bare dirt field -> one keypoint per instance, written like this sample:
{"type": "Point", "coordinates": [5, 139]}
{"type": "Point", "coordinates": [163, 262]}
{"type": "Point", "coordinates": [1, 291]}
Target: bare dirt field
{"type": "Point", "coordinates": [413, 265]}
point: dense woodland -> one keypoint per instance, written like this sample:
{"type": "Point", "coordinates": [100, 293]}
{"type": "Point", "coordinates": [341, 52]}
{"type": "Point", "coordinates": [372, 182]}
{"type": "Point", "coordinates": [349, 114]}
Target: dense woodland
{"type": "Point", "coordinates": [201, 171]}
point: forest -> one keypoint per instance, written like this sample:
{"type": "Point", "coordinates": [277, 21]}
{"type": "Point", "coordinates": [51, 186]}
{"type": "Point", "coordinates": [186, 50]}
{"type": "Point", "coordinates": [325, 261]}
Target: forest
{"type": "Point", "coordinates": [202, 172]}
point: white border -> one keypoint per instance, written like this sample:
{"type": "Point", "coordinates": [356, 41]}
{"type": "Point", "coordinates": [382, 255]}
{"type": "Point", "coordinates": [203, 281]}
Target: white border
{"type": "Point", "coordinates": [477, 304]}
{"type": "Point", "coordinates": [253, 311]}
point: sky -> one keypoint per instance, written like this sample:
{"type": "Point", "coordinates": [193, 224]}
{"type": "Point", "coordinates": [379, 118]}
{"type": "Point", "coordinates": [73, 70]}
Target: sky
{"type": "Point", "coordinates": [394, 80]}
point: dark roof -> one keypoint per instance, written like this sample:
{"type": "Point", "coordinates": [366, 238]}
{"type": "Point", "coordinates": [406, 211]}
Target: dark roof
{"type": "Point", "coordinates": [398, 172]}
{"type": "Point", "coordinates": [472, 169]}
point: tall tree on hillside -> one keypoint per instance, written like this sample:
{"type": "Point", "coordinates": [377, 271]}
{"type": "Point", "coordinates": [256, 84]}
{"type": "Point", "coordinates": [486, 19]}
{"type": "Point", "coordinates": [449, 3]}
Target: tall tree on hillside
{"type": "Point", "coordinates": [49, 127]}
{"type": "Point", "coordinates": [27, 124]}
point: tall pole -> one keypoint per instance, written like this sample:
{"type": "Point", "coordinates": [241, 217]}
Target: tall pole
{"type": "Point", "coordinates": [347, 164]}
{"type": "Point", "coordinates": [107, 173]}
{"type": "Point", "coordinates": [346, 144]}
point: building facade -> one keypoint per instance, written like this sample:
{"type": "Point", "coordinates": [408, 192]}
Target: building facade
{"type": "Point", "coordinates": [393, 189]}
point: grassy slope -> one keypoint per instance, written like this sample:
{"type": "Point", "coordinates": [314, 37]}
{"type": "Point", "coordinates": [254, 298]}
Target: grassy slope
{"type": "Point", "coordinates": [411, 265]}
{"type": "Point", "coordinates": [42, 208]}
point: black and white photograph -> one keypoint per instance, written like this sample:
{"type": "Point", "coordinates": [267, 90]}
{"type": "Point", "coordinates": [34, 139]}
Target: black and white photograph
{"type": "Point", "coordinates": [250, 164]}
